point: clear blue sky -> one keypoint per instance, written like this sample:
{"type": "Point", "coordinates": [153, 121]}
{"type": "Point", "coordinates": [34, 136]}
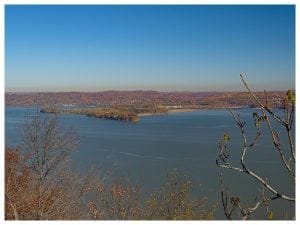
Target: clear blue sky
{"type": "Point", "coordinates": [195, 48]}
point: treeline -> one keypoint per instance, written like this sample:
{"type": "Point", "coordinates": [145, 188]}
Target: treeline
{"type": "Point", "coordinates": [40, 184]}
{"type": "Point", "coordinates": [104, 113]}
{"type": "Point", "coordinates": [66, 195]}
{"type": "Point", "coordinates": [105, 98]}
{"type": "Point", "coordinates": [112, 113]}
{"type": "Point", "coordinates": [140, 98]}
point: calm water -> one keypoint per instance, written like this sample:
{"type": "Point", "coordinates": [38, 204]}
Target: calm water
{"type": "Point", "coordinates": [146, 150]}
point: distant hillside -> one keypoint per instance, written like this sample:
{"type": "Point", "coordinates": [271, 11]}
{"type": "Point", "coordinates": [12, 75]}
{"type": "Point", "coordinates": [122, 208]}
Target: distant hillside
{"type": "Point", "coordinates": [142, 98]}
{"type": "Point", "coordinates": [243, 99]}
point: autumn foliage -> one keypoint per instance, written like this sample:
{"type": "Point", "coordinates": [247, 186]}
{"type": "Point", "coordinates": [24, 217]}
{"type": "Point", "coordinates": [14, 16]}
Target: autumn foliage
{"type": "Point", "coordinates": [40, 184]}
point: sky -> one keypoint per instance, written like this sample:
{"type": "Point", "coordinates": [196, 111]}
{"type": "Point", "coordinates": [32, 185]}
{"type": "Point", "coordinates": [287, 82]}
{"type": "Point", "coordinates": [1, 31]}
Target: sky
{"type": "Point", "coordinates": [156, 47]}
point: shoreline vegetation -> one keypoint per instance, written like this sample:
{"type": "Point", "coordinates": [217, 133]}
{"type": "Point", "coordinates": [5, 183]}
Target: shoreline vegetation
{"type": "Point", "coordinates": [112, 113]}
{"type": "Point", "coordinates": [125, 114]}
{"type": "Point", "coordinates": [131, 105]}
{"type": "Point", "coordinates": [139, 99]}
{"type": "Point", "coordinates": [103, 113]}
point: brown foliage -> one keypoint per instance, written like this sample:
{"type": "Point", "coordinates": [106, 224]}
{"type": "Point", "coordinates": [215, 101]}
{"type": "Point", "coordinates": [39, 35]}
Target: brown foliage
{"type": "Point", "coordinates": [36, 176]}
{"type": "Point", "coordinates": [117, 200]}
{"type": "Point", "coordinates": [122, 200]}
{"type": "Point", "coordinates": [17, 185]}
{"type": "Point", "coordinates": [173, 201]}
{"type": "Point", "coordinates": [26, 199]}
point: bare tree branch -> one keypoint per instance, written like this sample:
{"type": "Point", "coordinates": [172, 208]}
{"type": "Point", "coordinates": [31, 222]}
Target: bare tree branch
{"type": "Point", "coordinates": [223, 157]}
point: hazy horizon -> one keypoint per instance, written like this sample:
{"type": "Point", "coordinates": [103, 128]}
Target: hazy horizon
{"type": "Point", "coordinates": [142, 90]}
{"type": "Point", "coordinates": [258, 87]}
{"type": "Point", "coordinates": [88, 48]}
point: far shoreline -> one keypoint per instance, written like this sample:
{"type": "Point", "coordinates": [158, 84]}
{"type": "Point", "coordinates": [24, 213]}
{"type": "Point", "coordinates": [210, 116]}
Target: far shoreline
{"type": "Point", "coordinates": [169, 111]}
{"type": "Point", "coordinates": [175, 111]}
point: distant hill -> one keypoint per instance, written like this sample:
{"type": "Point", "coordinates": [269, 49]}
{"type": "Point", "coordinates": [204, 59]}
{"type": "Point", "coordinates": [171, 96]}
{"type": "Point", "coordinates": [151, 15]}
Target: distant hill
{"type": "Point", "coordinates": [142, 98]}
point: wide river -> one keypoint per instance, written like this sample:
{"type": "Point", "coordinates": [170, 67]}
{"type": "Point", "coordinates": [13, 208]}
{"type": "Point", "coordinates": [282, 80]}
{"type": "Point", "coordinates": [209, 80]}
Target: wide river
{"type": "Point", "coordinates": [188, 141]}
